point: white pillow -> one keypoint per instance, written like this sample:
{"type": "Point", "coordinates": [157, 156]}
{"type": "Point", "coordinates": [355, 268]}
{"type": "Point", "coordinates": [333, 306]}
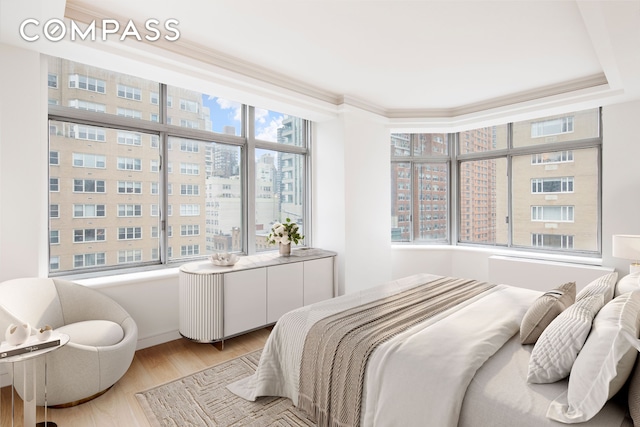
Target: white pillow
{"type": "Point", "coordinates": [605, 285]}
{"type": "Point", "coordinates": [558, 346]}
{"type": "Point", "coordinates": [604, 363]}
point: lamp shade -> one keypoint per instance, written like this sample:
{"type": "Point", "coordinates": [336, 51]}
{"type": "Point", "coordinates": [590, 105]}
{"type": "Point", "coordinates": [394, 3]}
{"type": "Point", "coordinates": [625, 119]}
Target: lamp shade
{"type": "Point", "coordinates": [626, 246]}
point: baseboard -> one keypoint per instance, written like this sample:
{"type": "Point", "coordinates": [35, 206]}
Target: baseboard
{"type": "Point", "coordinates": [157, 339]}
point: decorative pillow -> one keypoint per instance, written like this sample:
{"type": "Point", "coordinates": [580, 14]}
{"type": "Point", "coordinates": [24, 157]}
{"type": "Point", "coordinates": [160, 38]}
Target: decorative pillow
{"type": "Point", "coordinates": [558, 346]}
{"type": "Point", "coordinates": [95, 333]}
{"type": "Point", "coordinates": [605, 285]}
{"type": "Point", "coordinates": [634, 394]}
{"type": "Point", "coordinates": [628, 283]}
{"type": "Point", "coordinates": [544, 310]}
{"type": "Point", "coordinates": [604, 363]}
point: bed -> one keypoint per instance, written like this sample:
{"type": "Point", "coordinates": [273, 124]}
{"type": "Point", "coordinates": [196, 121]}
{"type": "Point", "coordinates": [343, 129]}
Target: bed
{"type": "Point", "coordinates": [456, 361]}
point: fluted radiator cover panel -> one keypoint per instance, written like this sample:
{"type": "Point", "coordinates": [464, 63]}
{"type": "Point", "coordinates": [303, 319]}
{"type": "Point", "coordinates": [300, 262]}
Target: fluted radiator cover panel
{"type": "Point", "coordinates": [201, 306]}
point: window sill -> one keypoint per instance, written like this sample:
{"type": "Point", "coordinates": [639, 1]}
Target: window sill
{"type": "Point", "coordinates": [495, 251]}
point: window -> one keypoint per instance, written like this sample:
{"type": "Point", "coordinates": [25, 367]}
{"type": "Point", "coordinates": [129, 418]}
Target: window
{"type": "Point", "coordinates": [86, 83]}
{"type": "Point", "coordinates": [128, 163]}
{"type": "Point", "coordinates": [88, 186]}
{"type": "Point", "coordinates": [552, 127]}
{"type": "Point", "coordinates": [420, 187]}
{"type": "Point", "coordinates": [94, 161]}
{"type": "Point", "coordinates": [129, 233]}
{"type": "Point", "coordinates": [131, 187]}
{"type": "Point", "coordinates": [552, 185]}
{"type": "Point", "coordinates": [207, 139]}
{"type": "Point", "coordinates": [531, 184]}
{"type": "Point", "coordinates": [88, 133]}
{"type": "Point", "coordinates": [54, 184]}
{"type": "Point", "coordinates": [129, 256]}
{"type": "Point", "coordinates": [552, 213]}
{"type": "Point", "coordinates": [129, 92]}
{"type": "Point", "coordinates": [189, 189]}
{"type": "Point", "coordinates": [129, 210]}
{"type": "Point", "coordinates": [89, 235]}
{"type": "Point", "coordinates": [190, 230]}
{"type": "Point", "coordinates": [189, 210]}
{"type": "Point", "coordinates": [54, 237]}
{"type": "Point", "coordinates": [552, 241]}
{"type": "Point", "coordinates": [129, 138]}
{"type": "Point", "coordinates": [54, 158]}
{"type": "Point", "coordinates": [89, 260]}
{"type": "Point", "coordinates": [52, 81]}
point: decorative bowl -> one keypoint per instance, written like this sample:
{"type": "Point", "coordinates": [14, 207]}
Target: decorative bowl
{"type": "Point", "coordinates": [224, 259]}
{"type": "Point", "coordinates": [17, 334]}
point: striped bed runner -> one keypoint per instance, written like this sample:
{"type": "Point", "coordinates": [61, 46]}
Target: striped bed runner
{"type": "Point", "coordinates": [337, 348]}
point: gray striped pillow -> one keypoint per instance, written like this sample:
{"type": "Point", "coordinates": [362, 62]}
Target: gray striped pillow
{"type": "Point", "coordinates": [605, 285]}
{"type": "Point", "coordinates": [544, 309]}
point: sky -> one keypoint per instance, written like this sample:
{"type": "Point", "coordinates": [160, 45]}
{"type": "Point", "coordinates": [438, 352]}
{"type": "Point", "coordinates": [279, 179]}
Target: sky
{"type": "Point", "coordinates": [225, 112]}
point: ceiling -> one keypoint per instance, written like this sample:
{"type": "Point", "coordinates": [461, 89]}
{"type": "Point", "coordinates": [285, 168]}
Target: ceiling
{"type": "Point", "coordinates": [395, 56]}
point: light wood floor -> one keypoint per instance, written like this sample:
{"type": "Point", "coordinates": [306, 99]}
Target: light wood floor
{"type": "Point", "coordinates": [150, 367]}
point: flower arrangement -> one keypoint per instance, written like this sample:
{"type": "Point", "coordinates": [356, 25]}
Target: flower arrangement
{"type": "Point", "coordinates": [284, 233]}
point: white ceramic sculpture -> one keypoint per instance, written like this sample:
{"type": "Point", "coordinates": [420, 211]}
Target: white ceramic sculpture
{"type": "Point", "coordinates": [17, 334]}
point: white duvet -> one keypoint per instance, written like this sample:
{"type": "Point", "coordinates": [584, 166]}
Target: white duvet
{"type": "Point", "coordinates": [418, 377]}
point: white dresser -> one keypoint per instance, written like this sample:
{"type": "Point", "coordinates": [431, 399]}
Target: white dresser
{"type": "Point", "coordinates": [220, 302]}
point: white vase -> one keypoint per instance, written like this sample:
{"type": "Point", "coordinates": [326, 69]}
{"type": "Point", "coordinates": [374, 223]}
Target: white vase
{"type": "Point", "coordinates": [285, 250]}
{"type": "Point", "coordinates": [17, 334]}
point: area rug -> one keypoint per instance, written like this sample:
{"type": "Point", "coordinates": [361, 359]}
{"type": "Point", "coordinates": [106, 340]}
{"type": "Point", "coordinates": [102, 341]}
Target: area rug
{"type": "Point", "coordinates": [202, 399]}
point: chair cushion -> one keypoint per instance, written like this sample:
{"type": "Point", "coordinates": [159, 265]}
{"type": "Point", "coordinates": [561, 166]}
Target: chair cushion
{"type": "Point", "coordinates": [96, 333]}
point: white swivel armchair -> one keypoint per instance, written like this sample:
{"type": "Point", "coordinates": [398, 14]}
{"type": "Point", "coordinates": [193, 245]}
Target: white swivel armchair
{"type": "Point", "coordinates": [103, 336]}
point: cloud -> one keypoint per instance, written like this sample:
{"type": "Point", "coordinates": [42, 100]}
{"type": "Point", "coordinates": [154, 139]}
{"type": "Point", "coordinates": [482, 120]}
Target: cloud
{"type": "Point", "coordinates": [231, 105]}
{"type": "Point", "coordinates": [269, 132]}
{"type": "Point", "coordinates": [261, 115]}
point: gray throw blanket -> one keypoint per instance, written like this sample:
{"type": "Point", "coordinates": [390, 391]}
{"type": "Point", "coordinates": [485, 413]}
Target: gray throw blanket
{"type": "Point", "coordinates": [337, 348]}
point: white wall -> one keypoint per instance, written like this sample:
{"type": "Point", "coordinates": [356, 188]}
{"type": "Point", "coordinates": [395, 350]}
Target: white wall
{"type": "Point", "coordinates": [23, 164]}
{"type": "Point", "coordinates": [620, 215]}
{"type": "Point", "coordinates": [351, 202]}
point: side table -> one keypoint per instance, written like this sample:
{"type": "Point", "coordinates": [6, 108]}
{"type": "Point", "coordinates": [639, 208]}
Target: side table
{"type": "Point", "coordinates": [29, 377]}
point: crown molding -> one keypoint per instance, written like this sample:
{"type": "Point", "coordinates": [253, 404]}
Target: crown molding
{"type": "Point", "coordinates": [251, 76]}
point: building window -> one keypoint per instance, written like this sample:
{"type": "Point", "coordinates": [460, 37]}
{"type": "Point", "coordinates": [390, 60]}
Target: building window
{"type": "Point", "coordinates": [130, 164]}
{"type": "Point", "coordinates": [52, 81]}
{"type": "Point", "coordinates": [552, 213]}
{"type": "Point", "coordinates": [190, 230]}
{"type": "Point", "coordinates": [81, 160]}
{"type": "Point", "coordinates": [189, 168]}
{"type": "Point", "coordinates": [189, 210]}
{"type": "Point", "coordinates": [552, 185]}
{"type": "Point", "coordinates": [89, 260]}
{"type": "Point", "coordinates": [54, 184]}
{"type": "Point", "coordinates": [129, 138]}
{"type": "Point", "coordinates": [54, 237]}
{"type": "Point", "coordinates": [54, 211]}
{"type": "Point", "coordinates": [553, 126]}
{"type": "Point", "coordinates": [129, 92]}
{"type": "Point", "coordinates": [130, 187]}
{"type": "Point", "coordinates": [552, 241]}
{"type": "Point", "coordinates": [90, 84]}
{"type": "Point", "coordinates": [89, 235]}
{"type": "Point", "coordinates": [129, 256]}
{"type": "Point", "coordinates": [88, 211]}
{"type": "Point", "coordinates": [88, 133]}
{"type": "Point", "coordinates": [553, 157]}
{"type": "Point", "coordinates": [88, 186]}
{"type": "Point", "coordinates": [189, 189]}
{"type": "Point", "coordinates": [129, 210]}
{"type": "Point", "coordinates": [54, 158]}
{"type": "Point", "coordinates": [189, 250]}
{"type": "Point", "coordinates": [129, 233]}
{"type": "Point", "coordinates": [87, 105]}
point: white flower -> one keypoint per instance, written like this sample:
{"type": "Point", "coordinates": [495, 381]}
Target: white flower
{"type": "Point", "coordinates": [279, 229]}
{"type": "Point", "coordinates": [285, 239]}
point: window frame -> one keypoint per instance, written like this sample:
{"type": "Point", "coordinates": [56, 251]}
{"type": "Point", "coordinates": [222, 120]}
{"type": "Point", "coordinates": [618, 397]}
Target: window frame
{"type": "Point", "coordinates": [164, 129]}
{"type": "Point", "coordinates": [456, 158]}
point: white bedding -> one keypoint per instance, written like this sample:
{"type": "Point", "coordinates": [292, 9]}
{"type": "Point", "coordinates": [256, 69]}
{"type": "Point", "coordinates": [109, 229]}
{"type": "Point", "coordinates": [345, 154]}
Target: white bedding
{"type": "Point", "coordinates": [443, 353]}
